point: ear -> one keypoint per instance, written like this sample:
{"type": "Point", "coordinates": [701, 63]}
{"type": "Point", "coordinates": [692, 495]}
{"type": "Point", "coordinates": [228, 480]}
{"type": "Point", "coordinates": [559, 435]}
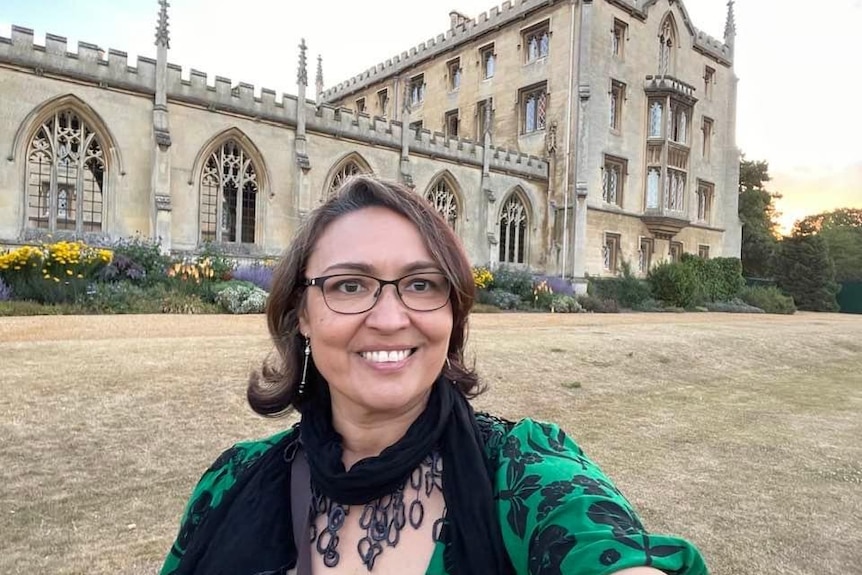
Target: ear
{"type": "Point", "coordinates": [304, 323]}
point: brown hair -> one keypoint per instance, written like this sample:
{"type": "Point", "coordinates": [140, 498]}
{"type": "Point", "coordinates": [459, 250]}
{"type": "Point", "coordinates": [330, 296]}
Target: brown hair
{"type": "Point", "coordinates": [273, 389]}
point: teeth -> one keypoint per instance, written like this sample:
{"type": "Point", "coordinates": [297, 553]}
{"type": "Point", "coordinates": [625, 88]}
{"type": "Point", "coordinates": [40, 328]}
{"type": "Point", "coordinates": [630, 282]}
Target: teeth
{"type": "Point", "coordinates": [386, 356]}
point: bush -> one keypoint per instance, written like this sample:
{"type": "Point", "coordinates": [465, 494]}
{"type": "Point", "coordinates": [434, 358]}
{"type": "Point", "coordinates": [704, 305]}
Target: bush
{"type": "Point", "coordinates": [52, 273]}
{"type": "Point", "coordinates": [241, 299]}
{"type": "Point", "coordinates": [502, 299]}
{"type": "Point", "coordinates": [142, 261]}
{"type": "Point", "coordinates": [733, 306]}
{"type": "Point", "coordinates": [597, 304]}
{"type": "Point", "coordinates": [513, 280]}
{"type": "Point", "coordinates": [257, 274]}
{"type": "Point", "coordinates": [482, 277]}
{"type": "Point", "coordinates": [221, 265]}
{"type": "Point", "coordinates": [769, 299]}
{"type": "Point", "coordinates": [177, 302]}
{"type": "Point", "coordinates": [716, 279]}
{"type": "Point", "coordinates": [30, 308]}
{"type": "Point", "coordinates": [562, 303]}
{"type": "Point", "coordinates": [673, 283]}
{"type": "Point", "coordinates": [5, 291]}
{"type": "Point", "coordinates": [123, 297]}
{"type": "Point", "coordinates": [627, 290]}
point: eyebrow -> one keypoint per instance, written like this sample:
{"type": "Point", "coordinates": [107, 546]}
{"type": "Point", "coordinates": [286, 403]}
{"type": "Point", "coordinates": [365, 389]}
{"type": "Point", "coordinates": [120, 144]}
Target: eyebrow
{"type": "Point", "coordinates": [367, 269]}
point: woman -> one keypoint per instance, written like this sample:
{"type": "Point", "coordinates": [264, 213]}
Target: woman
{"type": "Point", "coordinates": [390, 470]}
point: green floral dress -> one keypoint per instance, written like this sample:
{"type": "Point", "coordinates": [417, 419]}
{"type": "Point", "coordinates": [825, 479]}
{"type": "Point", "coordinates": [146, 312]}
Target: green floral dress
{"type": "Point", "coordinates": [560, 515]}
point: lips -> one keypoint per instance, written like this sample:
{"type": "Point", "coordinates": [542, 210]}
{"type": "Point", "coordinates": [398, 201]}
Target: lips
{"type": "Point", "coordinates": [387, 356]}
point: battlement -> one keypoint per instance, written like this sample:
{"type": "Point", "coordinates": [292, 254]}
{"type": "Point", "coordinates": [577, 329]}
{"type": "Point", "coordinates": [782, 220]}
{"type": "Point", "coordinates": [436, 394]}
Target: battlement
{"type": "Point", "coordinates": [345, 123]}
{"type": "Point", "coordinates": [713, 47]}
{"type": "Point", "coordinates": [112, 69]}
{"type": "Point", "coordinates": [468, 30]}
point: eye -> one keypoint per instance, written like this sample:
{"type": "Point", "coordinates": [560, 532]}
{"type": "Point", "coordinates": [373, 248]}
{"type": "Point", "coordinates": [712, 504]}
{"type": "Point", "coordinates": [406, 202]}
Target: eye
{"type": "Point", "coordinates": [424, 284]}
{"type": "Point", "coordinates": [349, 286]}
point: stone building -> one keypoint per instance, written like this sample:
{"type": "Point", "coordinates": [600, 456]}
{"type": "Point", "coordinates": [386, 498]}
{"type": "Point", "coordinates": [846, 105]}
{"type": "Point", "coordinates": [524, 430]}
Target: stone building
{"type": "Point", "coordinates": [564, 135]}
{"type": "Point", "coordinates": [633, 108]}
{"type": "Point", "coordinates": [100, 148]}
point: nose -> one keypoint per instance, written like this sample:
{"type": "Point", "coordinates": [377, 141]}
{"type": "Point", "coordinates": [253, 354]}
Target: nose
{"type": "Point", "coordinates": [388, 313]}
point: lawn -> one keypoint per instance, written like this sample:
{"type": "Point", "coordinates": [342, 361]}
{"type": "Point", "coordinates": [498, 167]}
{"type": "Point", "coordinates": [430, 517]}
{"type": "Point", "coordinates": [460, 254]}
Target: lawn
{"type": "Point", "coordinates": [742, 433]}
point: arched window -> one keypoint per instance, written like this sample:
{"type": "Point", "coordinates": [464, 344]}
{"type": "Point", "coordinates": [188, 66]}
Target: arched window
{"type": "Point", "coordinates": [513, 231]}
{"type": "Point", "coordinates": [349, 169]}
{"type": "Point", "coordinates": [65, 175]}
{"type": "Point", "coordinates": [229, 191]}
{"type": "Point", "coordinates": [667, 41]}
{"type": "Point", "coordinates": [442, 197]}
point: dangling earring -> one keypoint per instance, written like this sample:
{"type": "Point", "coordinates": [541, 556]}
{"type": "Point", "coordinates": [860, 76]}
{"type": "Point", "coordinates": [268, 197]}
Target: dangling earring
{"type": "Point", "coordinates": [305, 365]}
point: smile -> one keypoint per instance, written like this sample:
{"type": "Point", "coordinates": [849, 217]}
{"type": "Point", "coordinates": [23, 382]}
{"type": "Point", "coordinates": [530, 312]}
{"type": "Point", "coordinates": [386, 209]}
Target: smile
{"type": "Point", "coordinates": [392, 356]}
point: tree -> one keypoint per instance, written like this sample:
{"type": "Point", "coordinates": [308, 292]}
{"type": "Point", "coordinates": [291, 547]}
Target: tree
{"type": "Point", "coordinates": [759, 219]}
{"type": "Point", "coordinates": [806, 272]}
{"type": "Point", "coordinates": [842, 231]}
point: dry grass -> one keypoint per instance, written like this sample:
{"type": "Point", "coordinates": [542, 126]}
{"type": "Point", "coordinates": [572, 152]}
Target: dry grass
{"type": "Point", "coordinates": [741, 433]}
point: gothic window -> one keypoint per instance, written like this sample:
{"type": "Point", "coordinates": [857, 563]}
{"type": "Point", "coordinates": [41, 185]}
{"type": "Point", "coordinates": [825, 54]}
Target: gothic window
{"type": "Point", "coordinates": [229, 191]}
{"type": "Point", "coordinates": [65, 175]}
{"type": "Point", "coordinates": [345, 171]}
{"type": "Point", "coordinates": [383, 102]}
{"type": "Point", "coordinates": [679, 123]}
{"type": "Point", "coordinates": [451, 123]}
{"type": "Point", "coordinates": [707, 138]}
{"type": "Point", "coordinates": [705, 193]}
{"type": "Point", "coordinates": [703, 251]}
{"type": "Point", "coordinates": [645, 253]}
{"type": "Point", "coordinates": [667, 41]}
{"type": "Point", "coordinates": [618, 96]}
{"type": "Point", "coordinates": [417, 90]}
{"type": "Point", "coordinates": [653, 184]}
{"type": "Point", "coordinates": [454, 67]}
{"type": "Point", "coordinates": [488, 60]}
{"type": "Point", "coordinates": [674, 190]}
{"type": "Point", "coordinates": [676, 251]}
{"type": "Point", "coordinates": [534, 107]}
{"type": "Point", "coordinates": [613, 176]}
{"type": "Point", "coordinates": [513, 231]}
{"type": "Point", "coordinates": [708, 81]}
{"type": "Point", "coordinates": [537, 41]}
{"type": "Point", "coordinates": [656, 110]}
{"type": "Point", "coordinates": [618, 39]}
{"type": "Point", "coordinates": [360, 106]}
{"type": "Point", "coordinates": [611, 252]}
{"type": "Point", "coordinates": [484, 109]}
{"type": "Point", "coordinates": [442, 197]}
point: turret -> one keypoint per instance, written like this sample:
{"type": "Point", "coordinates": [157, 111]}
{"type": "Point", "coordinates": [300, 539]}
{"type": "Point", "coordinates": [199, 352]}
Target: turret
{"type": "Point", "coordinates": [730, 27]}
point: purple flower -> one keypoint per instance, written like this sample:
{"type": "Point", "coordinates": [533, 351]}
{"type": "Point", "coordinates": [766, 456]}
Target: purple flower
{"type": "Point", "coordinates": [557, 284]}
{"type": "Point", "coordinates": [5, 291]}
{"type": "Point", "coordinates": [258, 274]}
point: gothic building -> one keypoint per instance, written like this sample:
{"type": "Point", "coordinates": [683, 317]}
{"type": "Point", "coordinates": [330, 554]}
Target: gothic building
{"type": "Point", "coordinates": [633, 108]}
{"type": "Point", "coordinates": [566, 136]}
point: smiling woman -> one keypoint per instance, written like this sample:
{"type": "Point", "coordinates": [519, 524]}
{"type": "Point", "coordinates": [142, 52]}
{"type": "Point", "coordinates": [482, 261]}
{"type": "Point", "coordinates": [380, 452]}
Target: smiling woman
{"type": "Point", "coordinates": [390, 470]}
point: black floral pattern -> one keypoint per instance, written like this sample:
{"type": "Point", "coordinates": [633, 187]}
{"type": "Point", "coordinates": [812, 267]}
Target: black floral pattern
{"type": "Point", "coordinates": [548, 548]}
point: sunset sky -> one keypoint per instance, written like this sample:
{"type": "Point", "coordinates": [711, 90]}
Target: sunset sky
{"type": "Point", "coordinates": [798, 92]}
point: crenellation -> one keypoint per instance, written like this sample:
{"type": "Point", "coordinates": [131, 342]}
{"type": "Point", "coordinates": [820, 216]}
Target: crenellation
{"type": "Point", "coordinates": [267, 98]}
{"type": "Point", "coordinates": [89, 52]}
{"type": "Point", "coordinates": [23, 37]}
{"type": "Point", "coordinates": [197, 81]}
{"type": "Point", "coordinates": [118, 62]}
{"type": "Point", "coordinates": [223, 87]}
{"type": "Point", "coordinates": [245, 92]}
{"type": "Point", "coordinates": [507, 5]}
{"type": "Point", "coordinates": [56, 45]}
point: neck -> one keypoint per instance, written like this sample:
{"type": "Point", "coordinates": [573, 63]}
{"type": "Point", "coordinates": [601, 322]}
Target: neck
{"type": "Point", "coordinates": [366, 434]}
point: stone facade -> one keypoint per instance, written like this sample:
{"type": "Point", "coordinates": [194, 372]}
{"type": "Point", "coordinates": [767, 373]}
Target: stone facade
{"type": "Point", "coordinates": [626, 181]}
{"type": "Point", "coordinates": [567, 136]}
{"type": "Point", "coordinates": [100, 148]}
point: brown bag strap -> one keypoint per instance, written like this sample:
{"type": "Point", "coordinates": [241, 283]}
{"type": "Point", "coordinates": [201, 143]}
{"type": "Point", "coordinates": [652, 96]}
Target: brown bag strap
{"type": "Point", "coordinates": [300, 509]}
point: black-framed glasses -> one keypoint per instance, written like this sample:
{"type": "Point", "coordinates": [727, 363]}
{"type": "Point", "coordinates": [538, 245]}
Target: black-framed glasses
{"type": "Point", "coordinates": [358, 293]}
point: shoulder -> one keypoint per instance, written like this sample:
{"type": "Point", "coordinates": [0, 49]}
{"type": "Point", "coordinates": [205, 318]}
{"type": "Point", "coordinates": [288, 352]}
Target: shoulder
{"type": "Point", "coordinates": [230, 469]}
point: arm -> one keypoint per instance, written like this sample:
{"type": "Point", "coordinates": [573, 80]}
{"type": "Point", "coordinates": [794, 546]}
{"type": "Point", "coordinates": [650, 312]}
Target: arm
{"type": "Point", "coordinates": [560, 514]}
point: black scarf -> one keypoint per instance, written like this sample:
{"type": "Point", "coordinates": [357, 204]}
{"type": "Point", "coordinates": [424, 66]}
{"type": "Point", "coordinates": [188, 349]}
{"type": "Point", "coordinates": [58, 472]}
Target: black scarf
{"type": "Point", "coordinates": [474, 541]}
{"type": "Point", "coordinates": [250, 532]}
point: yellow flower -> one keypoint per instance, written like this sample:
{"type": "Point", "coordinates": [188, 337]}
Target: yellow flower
{"type": "Point", "coordinates": [69, 272]}
{"type": "Point", "coordinates": [80, 277]}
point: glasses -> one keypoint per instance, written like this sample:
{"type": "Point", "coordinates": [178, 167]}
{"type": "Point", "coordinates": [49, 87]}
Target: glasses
{"type": "Point", "coordinates": [357, 293]}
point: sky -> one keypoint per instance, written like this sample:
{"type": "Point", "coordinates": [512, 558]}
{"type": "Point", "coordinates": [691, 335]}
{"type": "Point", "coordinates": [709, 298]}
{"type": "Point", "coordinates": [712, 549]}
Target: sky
{"type": "Point", "coordinates": [798, 94]}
